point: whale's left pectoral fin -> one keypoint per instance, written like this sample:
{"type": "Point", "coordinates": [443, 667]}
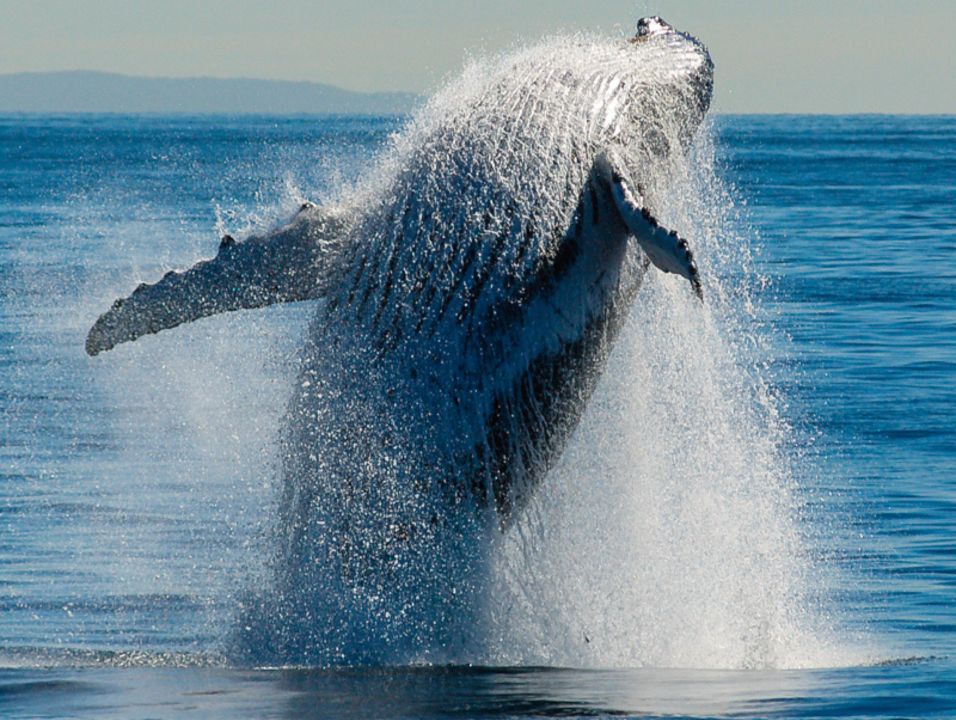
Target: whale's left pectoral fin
{"type": "Point", "coordinates": [291, 263]}
{"type": "Point", "coordinates": [667, 250]}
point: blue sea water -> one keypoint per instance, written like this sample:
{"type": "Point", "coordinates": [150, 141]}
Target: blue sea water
{"type": "Point", "coordinates": [137, 490]}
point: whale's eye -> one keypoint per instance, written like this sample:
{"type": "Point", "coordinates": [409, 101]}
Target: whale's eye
{"type": "Point", "coordinates": [652, 26]}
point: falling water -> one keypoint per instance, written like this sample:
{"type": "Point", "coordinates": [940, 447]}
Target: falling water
{"type": "Point", "coordinates": [668, 533]}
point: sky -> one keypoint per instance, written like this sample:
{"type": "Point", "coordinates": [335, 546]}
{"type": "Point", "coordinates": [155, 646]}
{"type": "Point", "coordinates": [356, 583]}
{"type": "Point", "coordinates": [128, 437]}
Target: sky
{"type": "Point", "coordinates": [811, 56]}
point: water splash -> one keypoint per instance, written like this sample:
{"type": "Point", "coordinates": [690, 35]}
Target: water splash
{"type": "Point", "coordinates": [666, 536]}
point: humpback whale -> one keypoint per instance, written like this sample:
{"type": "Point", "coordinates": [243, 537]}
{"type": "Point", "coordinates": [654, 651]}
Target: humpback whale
{"type": "Point", "coordinates": [469, 292]}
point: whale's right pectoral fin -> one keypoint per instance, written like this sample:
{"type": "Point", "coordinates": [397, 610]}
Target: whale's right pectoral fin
{"type": "Point", "coordinates": [667, 250]}
{"type": "Point", "coordinates": [294, 262]}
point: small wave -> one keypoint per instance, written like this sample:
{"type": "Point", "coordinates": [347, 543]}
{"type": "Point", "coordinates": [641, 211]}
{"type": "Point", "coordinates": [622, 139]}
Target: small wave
{"type": "Point", "coordinates": [50, 658]}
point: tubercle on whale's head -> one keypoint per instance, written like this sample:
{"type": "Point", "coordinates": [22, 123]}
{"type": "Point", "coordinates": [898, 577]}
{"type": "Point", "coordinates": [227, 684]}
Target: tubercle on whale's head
{"type": "Point", "coordinates": [651, 26]}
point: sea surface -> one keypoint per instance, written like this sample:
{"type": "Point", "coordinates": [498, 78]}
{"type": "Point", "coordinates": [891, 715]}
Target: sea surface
{"type": "Point", "coordinates": [138, 488]}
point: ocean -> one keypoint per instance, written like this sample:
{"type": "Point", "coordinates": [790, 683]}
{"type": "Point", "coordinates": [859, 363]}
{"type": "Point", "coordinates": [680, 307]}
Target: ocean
{"type": "Point", "coordinates": [804, 565]}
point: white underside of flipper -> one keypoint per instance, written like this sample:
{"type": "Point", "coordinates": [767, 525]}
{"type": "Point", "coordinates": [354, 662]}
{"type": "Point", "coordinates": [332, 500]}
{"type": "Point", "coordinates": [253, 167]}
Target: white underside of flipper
{"type": "Point", "coordinates": [666, 250]}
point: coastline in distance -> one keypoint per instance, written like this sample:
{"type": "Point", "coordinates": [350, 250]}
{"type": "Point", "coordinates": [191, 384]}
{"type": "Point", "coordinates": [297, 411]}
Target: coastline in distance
{"type": "Point", "coordinates": [82, 91]}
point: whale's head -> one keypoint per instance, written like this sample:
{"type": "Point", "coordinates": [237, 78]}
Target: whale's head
{"type": "Point", "coordinates": [690, 62]}
{"type": "Point", "coordinates": [674, 59]}
{"type": "Point", "coordinates": [571, 96]}
{"type": "Point", "coordinates": [670, 79]}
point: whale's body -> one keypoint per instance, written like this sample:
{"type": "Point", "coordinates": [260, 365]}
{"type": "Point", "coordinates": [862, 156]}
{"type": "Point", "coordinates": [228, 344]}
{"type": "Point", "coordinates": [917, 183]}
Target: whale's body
{"type": "Point", "coordinates": [471, 292]}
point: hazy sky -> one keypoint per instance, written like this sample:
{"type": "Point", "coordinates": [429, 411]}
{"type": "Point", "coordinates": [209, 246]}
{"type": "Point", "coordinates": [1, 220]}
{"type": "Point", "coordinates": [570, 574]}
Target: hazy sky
{"type": "Point", "coordinates": [771, 55]}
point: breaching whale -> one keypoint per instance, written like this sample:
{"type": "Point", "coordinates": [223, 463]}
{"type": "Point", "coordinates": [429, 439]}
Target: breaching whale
{"type": "Point", "coordinates": [469, 290]}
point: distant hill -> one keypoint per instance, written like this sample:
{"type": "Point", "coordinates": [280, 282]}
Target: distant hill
{"type": "Point", "coordinates": [85, 91]}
